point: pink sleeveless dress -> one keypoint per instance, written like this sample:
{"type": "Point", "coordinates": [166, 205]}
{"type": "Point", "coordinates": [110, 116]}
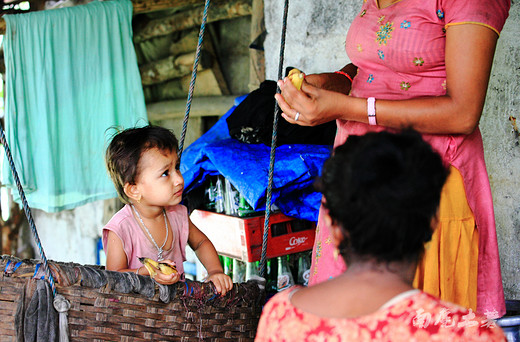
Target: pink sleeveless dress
{"type": "Point", "coordinates": [399, 51]}
{"type": "Point", "coordinates": [137, 244]}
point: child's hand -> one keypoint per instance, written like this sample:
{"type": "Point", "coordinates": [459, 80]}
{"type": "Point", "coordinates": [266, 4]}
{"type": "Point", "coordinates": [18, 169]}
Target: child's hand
{"type": "Point", "coordinates": [165, 277]}
{"type": "Point", "coordinates": [223, 283]}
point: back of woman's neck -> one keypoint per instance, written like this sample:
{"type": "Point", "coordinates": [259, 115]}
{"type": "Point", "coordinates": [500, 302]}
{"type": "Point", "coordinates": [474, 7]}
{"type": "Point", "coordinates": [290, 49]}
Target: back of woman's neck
{"type": "Point", "coordinates": [360, 291]}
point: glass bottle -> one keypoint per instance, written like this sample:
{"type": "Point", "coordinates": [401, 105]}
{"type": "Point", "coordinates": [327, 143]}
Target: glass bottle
{"type": "Point", "coordinates": [285, 277]}
{"type": "Point", "coordinates": [251, 270]}
{"type": "Point", "coordinates": [210, 196]}
{"type": "Point", "coordinates": [239, 271]}
{"type": "Point", "coordinates": [304, 269]}
{"type": "Point", "coordinates": [219, 196]}
{"type": "Point", "coordinates": [244, 209]}
{"type": "Point", "coordinates": [228, 266]}
{"type": "Point", "coordinates": [271, 286]}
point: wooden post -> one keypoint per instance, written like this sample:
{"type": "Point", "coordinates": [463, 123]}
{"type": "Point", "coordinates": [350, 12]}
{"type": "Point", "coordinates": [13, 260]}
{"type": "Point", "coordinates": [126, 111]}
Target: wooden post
{"type": "Point", "coordinates": [256, 57]}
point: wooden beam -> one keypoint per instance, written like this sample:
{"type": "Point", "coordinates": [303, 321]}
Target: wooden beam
{"type": "Point", "coordinates": [218, 10]}
{"type": "Point", "coordinates": [146, 6]}
{"type": "Point", "coordinates": [173, 67]}
{"type": "Point", "coordinates": [200, 106]}
{"type": "Point", "coordinates": [178, 88]}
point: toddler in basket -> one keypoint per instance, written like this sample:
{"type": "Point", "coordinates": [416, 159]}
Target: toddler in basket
{"type": "Point", "coordinates": [144, 167]}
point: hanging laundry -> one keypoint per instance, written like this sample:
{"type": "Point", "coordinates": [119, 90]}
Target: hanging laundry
{"type": "Point", "coordinates": [71, 75]}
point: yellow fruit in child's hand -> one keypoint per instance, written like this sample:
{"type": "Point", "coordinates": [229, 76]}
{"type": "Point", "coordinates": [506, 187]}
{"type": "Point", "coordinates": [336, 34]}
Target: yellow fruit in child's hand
{"type": "Point", "coordinates": [296, 77]}
{"type": "Point", "coordinates": [151, 265]}
{"type": "Point", "coordinates": [166, 268]}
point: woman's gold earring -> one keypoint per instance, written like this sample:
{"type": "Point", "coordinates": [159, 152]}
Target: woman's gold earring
{"type": "Point", "coordinates": [139, 199]}
{"type": "Point", "coordinates": [336, 254]}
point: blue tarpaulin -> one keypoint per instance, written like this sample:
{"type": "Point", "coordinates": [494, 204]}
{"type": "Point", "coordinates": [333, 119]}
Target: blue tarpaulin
{"type": "Point", "coordinates": [246, 166]}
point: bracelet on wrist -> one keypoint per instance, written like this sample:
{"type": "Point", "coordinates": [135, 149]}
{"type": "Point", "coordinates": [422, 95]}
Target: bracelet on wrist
{"type": "Point", "coordinates": [371, 111]}
{"type": "Point", "coordinates": [344, 74]}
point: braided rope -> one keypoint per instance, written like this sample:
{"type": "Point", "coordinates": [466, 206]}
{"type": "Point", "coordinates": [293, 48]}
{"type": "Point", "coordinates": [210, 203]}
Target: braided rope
{"type": "Point", "coordinates": [26, 209]}
{"type": "Point", "coordinates": [273, 147]}
{"type": "Point", "coordinates": [193, 78]}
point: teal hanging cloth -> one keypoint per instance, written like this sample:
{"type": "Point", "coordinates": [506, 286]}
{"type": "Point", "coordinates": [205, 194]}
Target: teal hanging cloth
{"type": "Point", "coordinates": [71, 74]}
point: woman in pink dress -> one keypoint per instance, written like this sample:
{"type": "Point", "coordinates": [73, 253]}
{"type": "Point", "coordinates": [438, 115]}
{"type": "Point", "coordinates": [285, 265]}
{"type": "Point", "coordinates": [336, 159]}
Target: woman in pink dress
{"type": "Point", "coordinates": [423, 64]}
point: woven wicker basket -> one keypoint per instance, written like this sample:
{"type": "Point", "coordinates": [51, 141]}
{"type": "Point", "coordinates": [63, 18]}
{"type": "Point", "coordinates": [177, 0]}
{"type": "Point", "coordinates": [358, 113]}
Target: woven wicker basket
{"type": "Point", "coordinates": [193, 311]}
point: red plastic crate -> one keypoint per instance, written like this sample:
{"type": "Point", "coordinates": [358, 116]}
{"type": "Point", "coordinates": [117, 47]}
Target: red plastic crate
{"type": "Point", "coordinates": [241, 237]}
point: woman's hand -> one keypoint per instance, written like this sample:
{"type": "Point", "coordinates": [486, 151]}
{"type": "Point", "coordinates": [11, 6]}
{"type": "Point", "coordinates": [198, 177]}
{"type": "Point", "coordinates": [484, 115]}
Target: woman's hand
{"type": "Point", "coordinates": [222, 282]}
{"type": "Point", "coordinates": [314, 105]}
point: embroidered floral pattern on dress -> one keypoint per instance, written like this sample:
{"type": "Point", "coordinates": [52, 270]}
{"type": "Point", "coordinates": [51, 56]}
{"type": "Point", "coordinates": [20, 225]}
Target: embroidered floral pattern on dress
{"type": "Point", "coordinates": [317, 257]}
{"type": "Point", "coordinates": [406, 24]}
{"type": "Point", "coordinates": [363, 12]}
{"type": "Point", "coordinates": [418, 61]}
{"type": "Point", "coordinates": [384, 33]}
{"type": "Point", "coordinates": [370, 78]}
{"type": "Point", "coordinates": [381, 54]}
{"type": "Point", "coordinates": [440, 14]}
{"type": "Point", "coordinates": [405, 85]}
{"type": "Point", "coordinates": [359, 48]}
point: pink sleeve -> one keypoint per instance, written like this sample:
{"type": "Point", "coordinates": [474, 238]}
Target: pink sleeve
{"type": "Point", "coordinates": [492, 14]}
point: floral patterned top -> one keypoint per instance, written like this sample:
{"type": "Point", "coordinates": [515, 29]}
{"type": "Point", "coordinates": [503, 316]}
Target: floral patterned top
{"type": "Point", "coordinates": [411, 316]}
{"type": "Point", "coordinates": [400, 49]}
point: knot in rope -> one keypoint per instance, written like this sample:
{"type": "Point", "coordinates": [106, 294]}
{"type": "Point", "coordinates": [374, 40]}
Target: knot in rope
{"type": "Point", "coordinates": [62, 305]}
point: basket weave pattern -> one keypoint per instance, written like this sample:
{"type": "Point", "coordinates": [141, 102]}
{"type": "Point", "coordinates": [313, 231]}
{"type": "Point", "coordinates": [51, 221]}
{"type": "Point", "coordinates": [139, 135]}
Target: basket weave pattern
{"type": "Point", "coordinates": [193, 311]}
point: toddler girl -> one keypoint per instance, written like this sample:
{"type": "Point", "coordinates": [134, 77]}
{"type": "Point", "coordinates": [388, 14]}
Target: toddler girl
{"type": "Point", "coordinates": [144, 167]}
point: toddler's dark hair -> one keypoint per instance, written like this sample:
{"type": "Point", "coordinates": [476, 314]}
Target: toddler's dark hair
{"type": "Point", "coordinates": [124, 152]}
{"type": "Point", "coordinates": [383, 189]}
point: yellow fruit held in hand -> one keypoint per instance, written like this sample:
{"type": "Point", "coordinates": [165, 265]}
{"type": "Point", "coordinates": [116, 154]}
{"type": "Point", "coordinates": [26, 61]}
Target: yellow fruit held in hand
{"type": "Point", "coordinates": [152, 265]}
{"type": "Point", "coordinates": [296, 77]}
{"type": "Point", "coordinates": [166, 268]}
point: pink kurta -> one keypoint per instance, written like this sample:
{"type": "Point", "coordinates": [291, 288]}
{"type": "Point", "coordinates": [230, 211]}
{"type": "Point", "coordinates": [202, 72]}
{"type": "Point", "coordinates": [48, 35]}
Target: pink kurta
{"type": "Point", "coordinates": [399, 52]}
{"type": "Point", "coordinates": [137, 244]}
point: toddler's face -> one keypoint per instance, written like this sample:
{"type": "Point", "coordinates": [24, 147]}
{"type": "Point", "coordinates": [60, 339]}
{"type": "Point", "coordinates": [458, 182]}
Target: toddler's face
{"type": "Point", "coordinates": [160, 182]}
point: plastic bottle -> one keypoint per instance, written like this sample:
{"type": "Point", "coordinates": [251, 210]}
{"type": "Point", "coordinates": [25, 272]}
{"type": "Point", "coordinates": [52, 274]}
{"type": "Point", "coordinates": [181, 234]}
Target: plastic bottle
{"type": "Point", "coordinates": [285, 277]}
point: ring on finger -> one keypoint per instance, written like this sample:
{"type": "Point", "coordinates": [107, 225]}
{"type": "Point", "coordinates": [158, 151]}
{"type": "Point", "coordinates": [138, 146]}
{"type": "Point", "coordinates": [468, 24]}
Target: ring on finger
{"type": "Point", "coordinates": [297, 116]}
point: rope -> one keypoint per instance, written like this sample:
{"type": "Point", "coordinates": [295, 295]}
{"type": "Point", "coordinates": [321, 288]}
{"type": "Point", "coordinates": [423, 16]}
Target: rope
{"type": "Point", "coordinates": [273, 147]}
{"type": "Point", "coordinates": [193, 78]}
{"type": "Point", "coordinates": [26, 209]}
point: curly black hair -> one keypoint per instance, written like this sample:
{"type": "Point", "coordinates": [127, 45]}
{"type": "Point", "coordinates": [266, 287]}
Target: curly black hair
{"type": "Point", "coordinates": [383, 189]}
{"type": "Point", "coordinates": [124, 152]}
